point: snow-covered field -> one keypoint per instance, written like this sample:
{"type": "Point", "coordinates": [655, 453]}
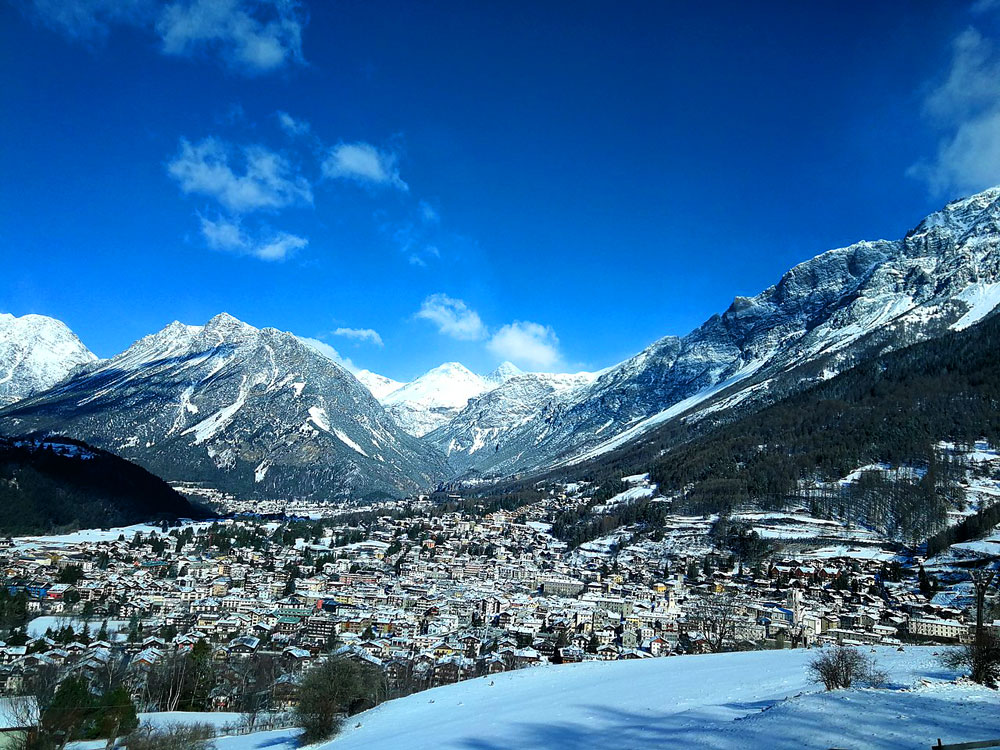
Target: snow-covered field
{"type": "Point", "coordinates": [749, 701]}
{"type": "Point", "coordinates": [94, 536]}
{"type": "Point", "coordinates": [727, 702]}
{"type": "Point", "coordinates": [38, 626]}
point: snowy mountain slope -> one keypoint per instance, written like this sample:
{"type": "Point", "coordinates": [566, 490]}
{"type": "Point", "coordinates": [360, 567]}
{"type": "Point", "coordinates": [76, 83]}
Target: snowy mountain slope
{"type": "Point", "coordinates": [438, 395]}
{"type": "Point", "coordinates": [433, 398]}
{"type": "Point", "coordinates": [822, 317]}
{"type": "Point", "coordinates": [378, 385]}
{"type": "Point", "coordinates": [254, 412]}
{"type": "Point", "coordinates": [487, 421]}
{"type": "Point", "coordinates": [741, 701]}
{"type": "Point", "coordinates": [36, 352]}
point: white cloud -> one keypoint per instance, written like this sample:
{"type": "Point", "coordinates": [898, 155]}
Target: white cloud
{"type": "Point", "coordinates": [292, 126]}
{"type": "Point", "coordinates": [223, 234]}
{"type": "Point", "coordinates": [227, 234]}
{"type": "Point", "coordinates": [965, 107]}
{"type": "Point", "coordinates": [267, 181]}
{"type": "Point", "coordinates": [363, 163]}
{"type": "Point", "coordinates": [419, 256]}
{"type": "Point", "coordinates": [360, 334]}
{"type": "Point", "coordinates": [452, 317]}
{"type": "Point", "coordinates": [279, 247]}
{"type": "Point", "coordinates": [526, 344]}
{"type": "Point", "coordinates": [321, 347]}
{"type": "Point", "coordinates": [252, 36]}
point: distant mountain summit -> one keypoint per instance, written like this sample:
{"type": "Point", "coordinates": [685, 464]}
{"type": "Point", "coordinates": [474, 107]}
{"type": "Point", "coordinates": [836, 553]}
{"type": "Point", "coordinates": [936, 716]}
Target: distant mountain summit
{"type": "Point", "coordinates": [435, 397]}
{"type": "Point", "coordinates": [254, 412]}
{"type": "Point", "coordinates": [36, 352]}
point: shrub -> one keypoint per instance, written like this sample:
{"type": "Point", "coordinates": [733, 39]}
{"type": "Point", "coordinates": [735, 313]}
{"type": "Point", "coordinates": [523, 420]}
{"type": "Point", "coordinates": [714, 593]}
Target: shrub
{"type": "Point", "coordinates": [844, 666]}
{"type": "Point", "coordinates": [981, 658]}
{"type": "Point", "coordinates": [330, 690]}
{"type": "Point", "coordinates": [173, 737]}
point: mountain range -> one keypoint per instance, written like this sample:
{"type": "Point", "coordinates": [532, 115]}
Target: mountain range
{"type": "Point", "coordinates": [263, 413]}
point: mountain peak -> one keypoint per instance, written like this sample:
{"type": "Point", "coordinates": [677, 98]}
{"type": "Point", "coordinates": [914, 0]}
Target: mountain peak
{"type": "Point", "coordinates": [964, 214]}
{"type": "Point", "coordinates": [225, 325]}
{"type": "Point", "coordinates": [504, 372]}
{"type": "Point", "coordinates": [36, 352]}
{"type": "Point", "coordinates": [449, 368]}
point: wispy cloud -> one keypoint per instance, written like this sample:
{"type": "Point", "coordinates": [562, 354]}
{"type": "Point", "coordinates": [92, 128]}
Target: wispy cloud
{"type": "Point", "coordinates": [526, 344]}
{"type": "Point", "coordinates": [91, 20]}
{"type": "Point", "coordinates": [227, 234]}
{"type": "Point", "coordinates": [360, 334]}
{"type": "Point", "coordinates": [266, 180]}
{"type": "Point", "coordinates": [428, 214]}
{"type": "Point", "coordinates": [291, 125]}
{"type": "Point", "coordinates": [965, 108]}
{"type": "Point", "coordinates": [241, 181]}
{"type": "Point", "coordinates": [363, 163]}
{"type": "Point", "coordinates": [452, 317]}
{"type": "Point", "coordinates": [250, 36]}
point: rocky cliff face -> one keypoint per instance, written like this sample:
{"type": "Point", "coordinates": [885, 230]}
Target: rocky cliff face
{"type": "Point", "coordinates": [822, 316]}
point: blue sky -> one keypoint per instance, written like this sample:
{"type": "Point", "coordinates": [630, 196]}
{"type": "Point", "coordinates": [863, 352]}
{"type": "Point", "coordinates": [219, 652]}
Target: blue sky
{"type": "Point", "coordinates": [554, 183]}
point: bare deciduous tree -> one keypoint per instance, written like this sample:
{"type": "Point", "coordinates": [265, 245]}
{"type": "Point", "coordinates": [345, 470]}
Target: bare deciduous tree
{"type": "Point", "coordinates": [982, 656]}
{"type": "Point", "coordinates": [720, 619]}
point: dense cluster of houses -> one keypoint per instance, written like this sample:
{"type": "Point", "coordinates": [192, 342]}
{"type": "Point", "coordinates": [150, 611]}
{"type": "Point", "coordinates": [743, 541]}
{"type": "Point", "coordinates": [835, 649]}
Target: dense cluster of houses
{"type": "Point", "coordinates": [432, 599]}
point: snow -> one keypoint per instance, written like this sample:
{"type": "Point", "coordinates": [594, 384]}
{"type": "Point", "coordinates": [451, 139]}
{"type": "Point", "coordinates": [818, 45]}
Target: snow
{"type": "Point", "coordinates": [93, 536]}
{"type": "Point", "coordinates": [37, 627]}
{"type": "Point", "coordinates": [434, 397]}
{"type": "Point", "coordinates": [318, 417]}
{"type": "Point", "coordinates": [628, 496]}
{"type": "Point", "coordinates": [348, 442]}
{"type": "Point", "coordinates": [36, 352]}
{"type": "Point", "coordinates": [743, 701]}
{"type": "Point", "coordinates": [981, 298]}
{"type": "Point", "coordinates": [212, 425]}
{"type": "Point", "coordinates": [378, 385]}
{"type": "Point", "coordinates": [636, 478]}
{"type": "Point", "coordinates": [680, 407]}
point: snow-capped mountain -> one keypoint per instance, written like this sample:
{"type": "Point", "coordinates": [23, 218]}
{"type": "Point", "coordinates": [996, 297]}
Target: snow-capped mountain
{"type": "Point", "coordinates": [434, 398]}
{"type": "Point", "coordinates": [36, 352]}
{"type": "Point", "coordinates": [823, 316]}
{"type": "Point", "coordinates": [379, 385]}
{"type": "Point", "coordinates": [264, 413]}
{"type": "Point", "coordinates": [255, 412]}
{"type": "Point", "coordinates": [499, 414]}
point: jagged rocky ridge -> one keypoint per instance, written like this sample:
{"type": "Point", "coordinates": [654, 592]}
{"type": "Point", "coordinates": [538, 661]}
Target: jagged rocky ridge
{"type": "Point", "coordinates": [253, 412]}
{"type": "Point", "coordinates": [822, 317]}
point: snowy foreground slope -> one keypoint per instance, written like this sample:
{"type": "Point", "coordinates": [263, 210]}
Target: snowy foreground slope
{"type": "Point", "coordinates": [757, 700]}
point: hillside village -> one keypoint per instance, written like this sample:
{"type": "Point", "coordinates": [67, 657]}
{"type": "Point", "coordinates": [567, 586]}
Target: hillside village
{"type": "Point", "coordinates": [432, 597]}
